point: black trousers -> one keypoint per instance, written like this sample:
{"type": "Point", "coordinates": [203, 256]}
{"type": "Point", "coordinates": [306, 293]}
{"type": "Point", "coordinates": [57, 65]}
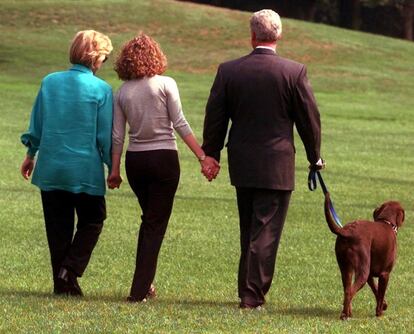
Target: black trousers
{"type": "Point", "coordinates": [69, 250]}
{"type": "Point", "coordinates": [262, 214]}
{"type": "Point", "coordinates": [154, 177]}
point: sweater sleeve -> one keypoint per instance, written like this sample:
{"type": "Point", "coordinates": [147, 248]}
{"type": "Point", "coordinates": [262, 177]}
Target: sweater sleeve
{"type": "Point", "coordinates": [31, 138]}
{"type": "Point", "coordinates": [175, 111]}
{"type": "Point", "coordinates": [104, 128]}
{"type": "Point", "coordinates": [119, 125]}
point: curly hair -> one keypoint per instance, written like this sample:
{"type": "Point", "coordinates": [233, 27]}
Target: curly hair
{"type": "Point", "coordinates": [140, 57]}
{"type": "Point", "coordinates": [88, 46]}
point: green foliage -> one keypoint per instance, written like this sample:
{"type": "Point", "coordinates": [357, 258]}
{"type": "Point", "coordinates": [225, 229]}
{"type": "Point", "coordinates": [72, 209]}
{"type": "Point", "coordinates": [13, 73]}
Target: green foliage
{"type": "Point", "coordinates": [397, 3]}
{"type": "Point", "coordinates": [364, 86]}
{"type": "Point", "coordinates": [374, 3]}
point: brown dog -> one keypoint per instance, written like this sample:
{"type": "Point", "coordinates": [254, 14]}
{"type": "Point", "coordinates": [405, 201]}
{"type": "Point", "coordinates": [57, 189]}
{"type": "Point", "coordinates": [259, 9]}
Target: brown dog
{"type": "Point", "coordinates": [365, 250]}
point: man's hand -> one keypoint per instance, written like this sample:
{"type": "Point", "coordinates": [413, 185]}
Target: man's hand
{"type": "Point", "coordinates": [114, 180]}
{"type": "Point", "coordinates": [27, 167]}
{"type": "Point", "coordinates": [210, 168]}
{"type": "Point", "coordinates": [321, 164]}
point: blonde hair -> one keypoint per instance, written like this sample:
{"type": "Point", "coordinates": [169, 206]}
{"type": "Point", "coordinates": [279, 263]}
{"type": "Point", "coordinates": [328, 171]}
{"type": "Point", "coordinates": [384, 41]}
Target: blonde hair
{"type": "Point", "coordinates": [266, 25]}
{"type": "Point", "coordinates": [88, 46]}
{"type": "Point", "coordinates": [140, 57]}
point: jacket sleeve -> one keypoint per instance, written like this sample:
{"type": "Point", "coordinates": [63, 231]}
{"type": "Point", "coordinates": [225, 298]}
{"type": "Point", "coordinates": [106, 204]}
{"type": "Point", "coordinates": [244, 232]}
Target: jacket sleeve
{"type": "Point", "coordinates": [104, 128]}
{"type": "Point", "coordinates": [118, 128]}
{"type": "Point", "coordinates": [31, 138]}
{"type": "Point", "coordinates": [306, 117]}
{"type": "Point", "coordinates": [216, 119]}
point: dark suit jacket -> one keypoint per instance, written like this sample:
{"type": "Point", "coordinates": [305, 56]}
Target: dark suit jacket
{"type": "Point", "coordinates": [263, 95]}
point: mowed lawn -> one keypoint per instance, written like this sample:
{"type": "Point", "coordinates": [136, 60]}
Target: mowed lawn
{"type": "Point", "coordinates": [364, 85]}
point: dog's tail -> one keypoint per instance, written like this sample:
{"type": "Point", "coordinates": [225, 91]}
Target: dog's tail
{"type": "Point", "coordinates": [335, 229]}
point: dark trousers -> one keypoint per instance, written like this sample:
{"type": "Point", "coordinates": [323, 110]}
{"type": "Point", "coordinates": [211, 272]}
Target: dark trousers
{"type": "Point", "coordinates": [154, 177]}
{"type": "Point", "coordinates": [262, 214]}
{"type": "Point", "coordinates": [69, 250]}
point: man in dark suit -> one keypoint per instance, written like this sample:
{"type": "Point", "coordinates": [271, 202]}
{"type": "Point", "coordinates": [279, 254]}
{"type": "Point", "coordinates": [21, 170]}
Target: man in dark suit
{"type": "Point", "coordinates": [264, 96]}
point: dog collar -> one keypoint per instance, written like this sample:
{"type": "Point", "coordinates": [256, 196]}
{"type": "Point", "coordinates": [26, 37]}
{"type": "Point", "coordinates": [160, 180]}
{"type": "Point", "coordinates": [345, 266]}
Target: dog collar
{"type": "Point", "coordinates": [394, 227]}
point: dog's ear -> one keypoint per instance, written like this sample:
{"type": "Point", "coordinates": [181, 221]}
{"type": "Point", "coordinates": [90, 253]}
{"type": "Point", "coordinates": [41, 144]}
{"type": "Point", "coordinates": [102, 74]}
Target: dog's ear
{"type": "Point", "coordinates": [400, 217]}
{"type": "Point", "coordinates": [377, 212]}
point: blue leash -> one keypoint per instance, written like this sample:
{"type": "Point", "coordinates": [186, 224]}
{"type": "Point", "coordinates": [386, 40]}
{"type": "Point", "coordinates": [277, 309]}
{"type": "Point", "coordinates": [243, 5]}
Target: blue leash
{"type": "Point", "coordinates": [312, 184]}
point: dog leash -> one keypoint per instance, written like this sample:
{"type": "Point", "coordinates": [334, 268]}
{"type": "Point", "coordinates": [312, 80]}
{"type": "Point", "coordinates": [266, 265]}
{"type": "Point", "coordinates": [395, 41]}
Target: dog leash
{"type": "Point", "coordinates": [312, 184]}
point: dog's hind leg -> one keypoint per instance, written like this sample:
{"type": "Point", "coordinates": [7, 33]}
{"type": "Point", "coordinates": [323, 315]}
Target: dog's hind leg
{"type": "Point", "coordinates": [374, 289]}
{"type": "Point", "coordinates": [361, 278]}
{"type": "Point", "coordinates": [347, 284]}
{"type": "Point", "coordinates": [382, 287]}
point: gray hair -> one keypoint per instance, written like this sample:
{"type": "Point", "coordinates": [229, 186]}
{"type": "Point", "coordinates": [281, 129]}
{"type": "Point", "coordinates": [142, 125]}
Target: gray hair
{"type": "Point", "coordinates": [266, 25]}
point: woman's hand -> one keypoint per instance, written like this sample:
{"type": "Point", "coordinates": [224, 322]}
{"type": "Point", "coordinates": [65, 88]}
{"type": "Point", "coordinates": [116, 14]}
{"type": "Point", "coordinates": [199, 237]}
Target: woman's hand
{"type": "Point", "coordinates": [210, 168]}
{"type": "Point", "coordinates": [114, 180]}
{"type": "Point", "coordinates": [27, 167]}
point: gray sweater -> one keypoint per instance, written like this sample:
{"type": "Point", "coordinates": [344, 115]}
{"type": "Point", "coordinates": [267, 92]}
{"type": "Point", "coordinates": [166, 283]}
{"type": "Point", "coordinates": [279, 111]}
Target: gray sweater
{"type": "Point", "coordinates": [152, 109]}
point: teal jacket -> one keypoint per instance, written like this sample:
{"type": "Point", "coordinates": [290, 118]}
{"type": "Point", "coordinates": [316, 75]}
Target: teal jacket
{"type": "Point", "coordinates": [70, 130]}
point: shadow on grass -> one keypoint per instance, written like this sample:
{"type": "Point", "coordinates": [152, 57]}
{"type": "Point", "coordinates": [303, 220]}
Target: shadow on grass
{"type": "Point", "coordinates": [310, 312]}
{"type": "Point", "coordinates": [304, 312]}
{"type": "Point", "coordinates": [131, 195]}
{"type": "Point", "coordinates": [121, 299]}
{"type": "Point", "coordinates": [25, 294]}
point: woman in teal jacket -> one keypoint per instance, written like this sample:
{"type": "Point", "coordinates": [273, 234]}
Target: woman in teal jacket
{"type": "Point", "coordinates": [70, 131]}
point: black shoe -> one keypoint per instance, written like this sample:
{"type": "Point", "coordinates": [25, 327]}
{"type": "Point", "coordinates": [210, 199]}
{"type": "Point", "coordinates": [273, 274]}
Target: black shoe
{"type": "Point", "coordinates": [246, 306]}
{"type": "Point", "coordinates": [152, 293]}
{"type": "Point", "coordinates": [131, 299]}
{"type": "Point", "coordinates": [60, 287]}
{"type": "Point", "coordinates": [70, 282]}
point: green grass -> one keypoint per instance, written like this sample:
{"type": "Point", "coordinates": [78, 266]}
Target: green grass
{"type": "Point", "coordinates": [364, 86]}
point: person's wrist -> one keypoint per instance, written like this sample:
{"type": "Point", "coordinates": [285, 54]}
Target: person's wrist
{"type": "Point", "coordinates": [201, 158]}
{"type": "Point", "coordinates": [321, 163]}
{"type": "Point", "coordinates": [115, 171]}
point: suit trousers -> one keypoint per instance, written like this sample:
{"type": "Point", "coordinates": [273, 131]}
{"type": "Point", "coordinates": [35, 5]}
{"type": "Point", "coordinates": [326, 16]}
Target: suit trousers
{"type": "Point", "coordinates": [262, 213]}
{"type": "Point", "coordinates": [69, 250]}
{"type": "Point", "coordinates": [153, 176]}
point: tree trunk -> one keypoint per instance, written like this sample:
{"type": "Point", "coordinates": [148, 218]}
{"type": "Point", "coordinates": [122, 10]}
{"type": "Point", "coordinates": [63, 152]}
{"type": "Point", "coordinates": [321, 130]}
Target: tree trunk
{"type": "Point", "coordinates": [311, 11]}
{"type": "Point", "coordinates": [407, 13]}
{"type": "Point", "coordinates": [356, 14]}
{"type": "Point", "coordinates": [350, 14]}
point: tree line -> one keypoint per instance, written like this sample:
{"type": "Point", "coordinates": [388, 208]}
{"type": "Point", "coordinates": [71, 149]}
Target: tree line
{"type": "Point", "coordinates": [387, 17]}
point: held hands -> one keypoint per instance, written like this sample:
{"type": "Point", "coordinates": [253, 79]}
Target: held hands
{"type": "Point", "coordinates": [210, 168]}
{"type": "Point", "coordinates": [114, 180]}
{"type": "Point", "coordinates": [26, 168]}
